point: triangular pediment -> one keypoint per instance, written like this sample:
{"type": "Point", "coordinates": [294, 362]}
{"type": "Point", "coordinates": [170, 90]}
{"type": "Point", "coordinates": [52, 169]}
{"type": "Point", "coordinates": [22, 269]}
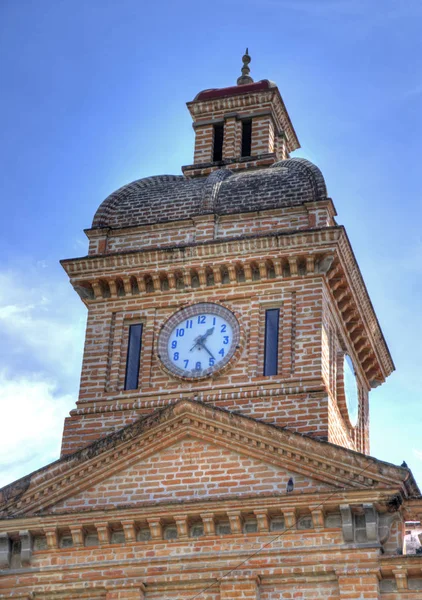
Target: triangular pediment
{"type": "Point", "coordinates": [142, 463]}
{"type": "Point", "coordinates": [189, 469]}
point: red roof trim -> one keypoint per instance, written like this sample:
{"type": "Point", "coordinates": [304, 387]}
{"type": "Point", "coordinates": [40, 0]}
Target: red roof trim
{"type": "Point", "coordinates": [235, 90]}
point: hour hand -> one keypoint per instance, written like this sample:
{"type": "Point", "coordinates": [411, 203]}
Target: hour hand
{"type": "Point", "coordinates": [207, 333]}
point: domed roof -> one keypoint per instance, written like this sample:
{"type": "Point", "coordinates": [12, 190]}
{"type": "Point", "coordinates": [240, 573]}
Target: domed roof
{"type": "Point", "coordinates": [166, 198]}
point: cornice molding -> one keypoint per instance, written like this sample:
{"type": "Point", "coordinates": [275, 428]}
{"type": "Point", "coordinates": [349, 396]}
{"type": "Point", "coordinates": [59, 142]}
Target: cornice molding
{"type": "Point", "coordinates": [324, 462]}
{"type": "Point", "coordinates": [228, 247]}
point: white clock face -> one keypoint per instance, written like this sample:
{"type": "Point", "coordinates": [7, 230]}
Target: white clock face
{"type": "Point", "coordinates": [351, 390]}
{"type": "Point", "coordinates": [199, 340]}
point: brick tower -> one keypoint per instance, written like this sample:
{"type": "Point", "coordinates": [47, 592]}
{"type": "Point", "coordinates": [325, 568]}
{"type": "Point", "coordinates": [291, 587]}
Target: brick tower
{"type": "Point", "coordinates": [219, 446]}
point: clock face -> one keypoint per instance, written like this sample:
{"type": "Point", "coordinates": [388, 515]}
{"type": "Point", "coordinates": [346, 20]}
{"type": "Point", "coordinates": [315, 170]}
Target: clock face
{"type": "Point", "coordinates": [199, 340]}
{"type": "Point", "coordinates": [351, 390]}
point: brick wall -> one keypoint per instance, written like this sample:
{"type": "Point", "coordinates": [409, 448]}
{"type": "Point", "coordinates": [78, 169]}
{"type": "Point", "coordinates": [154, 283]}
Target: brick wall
{"type": "Point", "coordinates": [174, 570]}
{"type": "Point", "coordinates": [188, 470]}
{"type": "Point", "coordinates": [262, 135]}
{"type": "Point", "coordinates": [220, 227]}
{"type": "Point", "coordinates": [302, 591]}
{"type": "Point", "coordinates": [297, 397]}
{"type": "Point", "coordinates": [204, 143]}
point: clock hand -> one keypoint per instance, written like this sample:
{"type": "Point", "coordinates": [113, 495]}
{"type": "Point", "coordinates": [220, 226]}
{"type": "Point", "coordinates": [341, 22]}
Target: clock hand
{"type": "Point", "coordinates": [198, 340]}
{"type": "Point", "coordinates": [207, 333]}
{"type": "Point", "coordinates": [206, 349]}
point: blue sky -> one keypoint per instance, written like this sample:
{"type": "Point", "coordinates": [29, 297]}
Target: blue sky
{"type": "Point", "coordinates": [93, 96]}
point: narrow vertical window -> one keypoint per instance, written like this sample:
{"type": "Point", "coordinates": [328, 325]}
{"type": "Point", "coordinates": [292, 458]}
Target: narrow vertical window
{"type": "Point", "coordinates": [133, 357]}
{"type": "Point", "coordinates": [246, 137]}
{"type": "Point", "coordinates": [218, 142]}
{"type": "Point", "coordinates": [271, 341]}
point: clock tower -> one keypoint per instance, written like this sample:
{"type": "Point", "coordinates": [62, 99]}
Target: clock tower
{"type": "Point", "coordinates": [219, 448]}
{"type": "Point", "coordinates": [231, 284]}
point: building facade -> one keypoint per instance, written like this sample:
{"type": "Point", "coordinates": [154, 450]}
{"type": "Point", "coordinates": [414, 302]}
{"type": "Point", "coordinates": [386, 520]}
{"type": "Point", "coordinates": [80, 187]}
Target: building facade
{"type": "Point", "coordinates": [219, 448]}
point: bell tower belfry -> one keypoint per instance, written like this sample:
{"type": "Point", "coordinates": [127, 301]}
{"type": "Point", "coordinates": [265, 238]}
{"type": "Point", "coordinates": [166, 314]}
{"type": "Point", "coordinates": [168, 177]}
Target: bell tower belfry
{"type": "Point", "coordinates": [245, 126]}
{"type": "Point", "coordinates": [231, 284]}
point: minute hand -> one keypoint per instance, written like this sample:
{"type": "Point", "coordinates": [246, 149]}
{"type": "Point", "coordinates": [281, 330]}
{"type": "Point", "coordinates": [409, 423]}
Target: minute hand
{"type": "Point", "coordinates": [206, 349]}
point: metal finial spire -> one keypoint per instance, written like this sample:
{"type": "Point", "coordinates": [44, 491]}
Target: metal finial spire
{"type": "Point", "coordinates": [245, 77]}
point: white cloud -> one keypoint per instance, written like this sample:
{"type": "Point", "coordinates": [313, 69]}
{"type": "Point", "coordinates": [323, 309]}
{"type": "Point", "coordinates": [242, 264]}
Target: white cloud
{"type": "Point", "coordinates": [42, 323]}
{"type": "Point", "coordinates": [32, 424]}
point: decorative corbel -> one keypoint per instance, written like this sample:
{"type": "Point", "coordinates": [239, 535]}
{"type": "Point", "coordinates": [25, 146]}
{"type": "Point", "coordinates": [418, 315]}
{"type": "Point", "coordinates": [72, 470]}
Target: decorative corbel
{"type": "Point", "coordinates": [209, 523]}
{"type": "Point", "coordinates": [202, 277]}
{"type": "Point", "coordinates": [141, 283]}
{"type": "Point", "coordinates": [347, 523]}
{"type": "Point", "coordinates": [156, 528]}
{"type": "Point", "coordinates": [235, 521]}
{"type": "Point", "coordinates": [278, 267]}
{"type": "Point", "coordinates": [113, 288]}
{"type": "Point", "coordinates": [262, 520]}
{"type": "Point", "coordinates": [289, 519]}
{"type": "Point", "coordinates": [98, 292]}
{"type": "Point", "coordinates": [317, 513]}
{"type": "Point", "coordinates": [129, 530]}
{"type": "Point", "coordinates": [77, 536]}
{"type": "Point", "coordinates": [5, 550]}
{"type": "Point", "coordinates": [172, 281]}
{"type": "Point", "coordinates": [103, 532]}
{"type": "Point", "coordinates": [293, 266]}
{"type": "Point", "coordinates": [52, 538]}
{"type": "Point", "coordinates": [232, 273]}
{"type": "Point", "coordinates": [324, 265]}
{"type": "Point", "coordinates": [182, 526]}
{"type": "Point", "coordinates": [248, 272]}
{"type": "Point", "coordinates": [371, 522]}
{"type": "Point", "coordinates": [26, 547]}
{"type": "Point", "coordinates": [187, 280]}
{"type": "Point", "coordinates": [217, 275]}
{"type": "Point", "coordinates": [127, 286]}
{"type": "Point", "coordinates": [310, 264]}
{"type": "Point", "coordinates": [401, 578]}
{"type": "Point", "coordinates": [262, 270]}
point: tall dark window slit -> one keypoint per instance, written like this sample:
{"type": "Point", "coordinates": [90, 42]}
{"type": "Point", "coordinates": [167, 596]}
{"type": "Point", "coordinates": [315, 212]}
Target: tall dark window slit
{"type": "Point", "coordinates": [246, 137]}
{"type": "Point", "coordinates": [271, 341]}
{"type": "Point", "coordinates": [218, 142]}
{"type": "Point", "coordinates": [133, 357]}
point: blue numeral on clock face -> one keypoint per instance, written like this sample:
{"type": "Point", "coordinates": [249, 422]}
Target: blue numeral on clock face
{"type": "Point", "coordinates": [223, 328]}
{"type": "Point", "coordinates": [189, 324]}
{"type": "Point", "coordinates": [174, 344]}
{"type": "Point", "coordinates": [214, 321]}
{"type": "Point", "coordinates": [225, 339]}
{"type": "Point", "coordinates": [202, 319]}
{"type": "Point", "coordinates": [212, 362]}
{"type": "Point", "coordinates": [186, 363]}
{"type": "Point", "coordinates": [198, 365]}
{"type": "Point", "coordinates": [221, 352]}
{"type": "Point", "coordinates": [176, 356]}
{"type": "Point", "coordinates": [180, 332]}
